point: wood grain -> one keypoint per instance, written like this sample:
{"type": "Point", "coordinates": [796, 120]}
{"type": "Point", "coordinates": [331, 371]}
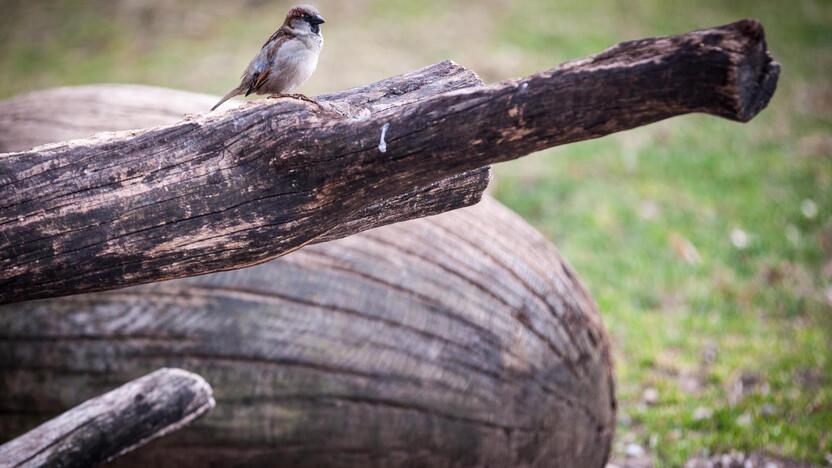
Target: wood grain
{"type": "Point", "coordinates": [458, 340]}
{"type": "Point", "coordinates": [234, 189]}
{"type": "Point", "coordinates": [108, 426]}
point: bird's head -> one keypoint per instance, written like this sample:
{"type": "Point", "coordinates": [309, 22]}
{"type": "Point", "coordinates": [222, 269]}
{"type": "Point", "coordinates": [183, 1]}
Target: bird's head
{"type": "Point", "coordinates": [305, 18]}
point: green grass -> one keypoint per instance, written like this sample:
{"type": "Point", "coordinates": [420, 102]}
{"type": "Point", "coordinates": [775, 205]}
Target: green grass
{"type": "Point", "coordinates": [624, 209]}
{"type": "Point", "coordinates": [646, 216]}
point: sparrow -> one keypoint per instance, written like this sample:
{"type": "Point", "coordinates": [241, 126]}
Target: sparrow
{"type": "Point", "coordinates": [287, 59]}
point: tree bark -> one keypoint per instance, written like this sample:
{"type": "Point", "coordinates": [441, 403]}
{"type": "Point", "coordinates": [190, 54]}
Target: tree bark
{"type": "Point", "coordinates": [59, 114]}
{"type": "Point", "coordinates": [230, 190]}
{"type": "Point", "coordinates": [112, 424]}
{"type": "Point", "coordinates": [457, 340]}
{"type": "Point", "coordinates": [36, 119]}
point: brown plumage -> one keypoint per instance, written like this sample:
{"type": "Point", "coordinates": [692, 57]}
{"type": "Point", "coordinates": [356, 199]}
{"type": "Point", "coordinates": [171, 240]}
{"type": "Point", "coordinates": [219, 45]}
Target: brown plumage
{"type": "Point", "coordinates": [287, 59]}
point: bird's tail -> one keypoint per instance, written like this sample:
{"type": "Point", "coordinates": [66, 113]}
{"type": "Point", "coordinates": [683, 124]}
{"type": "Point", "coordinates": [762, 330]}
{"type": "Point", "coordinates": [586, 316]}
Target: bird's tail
{"type": "Point", "coordinates": [234, 92]}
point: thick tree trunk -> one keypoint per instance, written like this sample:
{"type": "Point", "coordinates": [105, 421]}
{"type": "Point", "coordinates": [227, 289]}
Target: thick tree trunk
{"type": "Point", "coordinates": [233, 189]}
{"type": "Point", "coordinates": [113, 424]}
{"type": "Point", "coordinates": [457, 340]}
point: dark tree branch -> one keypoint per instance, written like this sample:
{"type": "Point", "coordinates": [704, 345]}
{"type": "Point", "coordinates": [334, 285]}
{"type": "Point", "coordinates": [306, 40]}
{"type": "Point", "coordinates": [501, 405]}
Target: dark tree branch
{"type": "Point", "coordinates": [230, 190]}
{"type": "Point", "coordinates": [113, 424]}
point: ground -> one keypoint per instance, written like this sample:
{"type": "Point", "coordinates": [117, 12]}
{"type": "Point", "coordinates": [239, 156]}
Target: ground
{"type": "Point", "coordinates": [707, 243]}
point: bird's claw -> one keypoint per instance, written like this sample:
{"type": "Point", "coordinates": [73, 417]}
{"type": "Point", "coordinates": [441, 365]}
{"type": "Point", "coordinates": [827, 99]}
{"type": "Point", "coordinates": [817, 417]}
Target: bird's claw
{"type": "Point", "coordinates": [306, 98]}
{"type": "Point", "coordinates": [300, 97]}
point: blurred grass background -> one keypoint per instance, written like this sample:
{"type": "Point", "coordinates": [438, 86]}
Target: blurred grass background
{"type": "Point", "coordinates": [707, 244]}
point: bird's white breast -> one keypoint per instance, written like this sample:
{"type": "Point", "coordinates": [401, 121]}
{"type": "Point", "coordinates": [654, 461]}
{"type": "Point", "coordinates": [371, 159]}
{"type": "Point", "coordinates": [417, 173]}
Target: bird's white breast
{"type": "Point", "coordinates": [295, 62]}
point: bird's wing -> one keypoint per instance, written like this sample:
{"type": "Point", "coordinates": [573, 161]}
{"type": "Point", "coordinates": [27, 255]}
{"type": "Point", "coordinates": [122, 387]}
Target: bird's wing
{"type": "Point", "coordinates": [280, 36]}
{"type": "Point", "coordinates": [267, 54]}
{"type": "Point", "coordinates": [258, 80]}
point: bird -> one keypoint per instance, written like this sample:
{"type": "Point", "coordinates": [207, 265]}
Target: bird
{"type": "Point", "coordinates": [287, 59]}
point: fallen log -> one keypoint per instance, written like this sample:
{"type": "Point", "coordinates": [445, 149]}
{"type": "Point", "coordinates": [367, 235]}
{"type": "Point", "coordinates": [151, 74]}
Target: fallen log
{"type": "Point", "coordinates": [457, 340]}
{"type": "Point", "coordinates": [235, 189]}
{"type": "Point", "coordinates": [108, 426]}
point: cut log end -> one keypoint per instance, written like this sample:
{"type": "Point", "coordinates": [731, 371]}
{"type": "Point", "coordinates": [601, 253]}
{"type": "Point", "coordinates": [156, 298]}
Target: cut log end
{"type": "Point", "coordinates": [757, 71]}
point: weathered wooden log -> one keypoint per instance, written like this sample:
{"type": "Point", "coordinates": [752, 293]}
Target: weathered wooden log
{"type": "Point", "coordinates": [59, 114]}
{"type": "Point", "coordinates": [112, 424]}
{"type": "Point", "coordinates": [229, 190]}
{"type": "Point", "coordinates": [457, 340]}
{"type": "Point", "coordinates": [83, 110]}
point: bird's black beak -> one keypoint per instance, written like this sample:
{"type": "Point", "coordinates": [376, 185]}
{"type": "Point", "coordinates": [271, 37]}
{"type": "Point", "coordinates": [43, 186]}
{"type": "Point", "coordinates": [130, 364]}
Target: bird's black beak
{"type": "Point", "coordinates": [317, 19]}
